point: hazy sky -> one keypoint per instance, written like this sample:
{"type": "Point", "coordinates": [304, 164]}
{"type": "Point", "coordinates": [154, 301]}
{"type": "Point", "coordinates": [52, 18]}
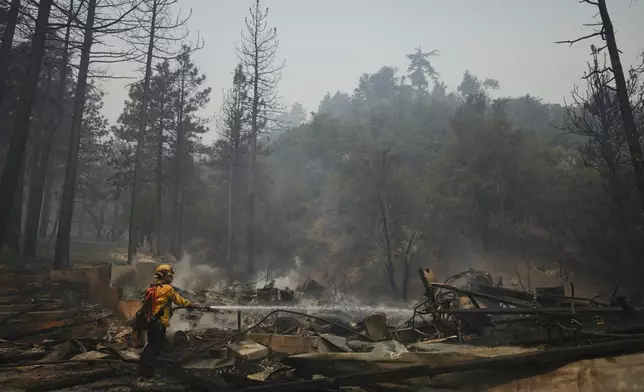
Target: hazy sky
{"type": "Point", "coordinates": [328, 44]}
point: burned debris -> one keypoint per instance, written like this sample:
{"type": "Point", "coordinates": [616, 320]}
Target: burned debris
{"type": "Point", "coordinates": [463, 335]}
{"type": "Point", "coordinates": [497, 315]}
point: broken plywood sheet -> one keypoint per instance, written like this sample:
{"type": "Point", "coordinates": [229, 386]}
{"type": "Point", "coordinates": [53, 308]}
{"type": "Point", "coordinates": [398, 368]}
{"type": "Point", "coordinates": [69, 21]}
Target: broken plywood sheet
{"type": "Point", "coordinates": [331, 343]}
{"type": "Point", "coordinates": [248, 350]}
{"type": "Point", "coordinates": [261, 376]}
{"type": "Point", "coordinates": [285, 344]}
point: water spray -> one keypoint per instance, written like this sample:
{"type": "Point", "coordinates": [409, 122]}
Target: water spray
{"type": "Point", "coordinates": [351, 309]}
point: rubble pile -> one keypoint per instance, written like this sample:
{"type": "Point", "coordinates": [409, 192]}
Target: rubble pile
{"type": "Point", "coordinates": [52, 337]}
{"type": "Point", "coordinates": [469, 333]}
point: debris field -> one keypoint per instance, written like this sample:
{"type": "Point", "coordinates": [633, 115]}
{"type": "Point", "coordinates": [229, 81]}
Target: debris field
{"type": "Point", "coordinates": [71, 331]}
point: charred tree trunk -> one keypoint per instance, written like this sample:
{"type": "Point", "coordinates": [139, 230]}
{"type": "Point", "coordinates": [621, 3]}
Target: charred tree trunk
{"type": "Point", "coordinates": [15, 217]}
{"type": "Point", "coordinates": [231, 233]}
{"type": "Point", "coordinates": [252, 161]}
{"type": "Point", "coordinates": [61, 256]}
{"type": "Point", "coordinates": [136, 186]}
{"type": "Point", "coordinates": [159, 179]}
{"type": "Point", "coordinates": [46, 208]}
{"type": "Point", "coordinates": [18, 142]}
{"type": "Point", "coordinates": [179, 157]}
{"type": "Point", "coordinates": [33, 180]}
{"type": "Point", "coordinates": [81, 218]}
{"type": "Point", "coordinates": [630, 129]}
{"type": "Point", "coordinates": [632, 135]}
{"type": "Point", "coordinates": [115, 218]}
{"type": "Point", "coordinates": [257, 55]}
{"type": "Point", "coordinates": [7, 44]}
{"type": "Point", "coordinates": [99, 222]}
{"type": "Point", "coordinates": [389, 258]}
{"type": "Point", "coordinates": [234, 115]}
{"type": "Point", "coordinates": [231, 198]}
{"type": "Point", "coordinates": [409, 257]}
{"type": "Point", "coordinates": [602, 103]}
{"type": "Point", "coordinates": [379, 180]}
{"type": "Point", "coordinates": [35, 201]}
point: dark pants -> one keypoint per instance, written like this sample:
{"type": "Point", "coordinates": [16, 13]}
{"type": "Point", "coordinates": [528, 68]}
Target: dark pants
{"type": "Point", "coordinates": [156, 341]}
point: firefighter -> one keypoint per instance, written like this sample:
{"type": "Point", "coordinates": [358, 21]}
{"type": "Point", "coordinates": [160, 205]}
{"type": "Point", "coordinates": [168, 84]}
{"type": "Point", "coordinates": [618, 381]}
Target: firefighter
{"type": "Point", "coordinates": [155, 315]}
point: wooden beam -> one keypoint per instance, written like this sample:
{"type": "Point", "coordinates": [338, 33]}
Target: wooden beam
{"type": "Point", "coordinates": [557, 355]}
{"type": "Point", "coordinates": [196, 381]}
{"type": "Point", "coordinates": [75, 379]}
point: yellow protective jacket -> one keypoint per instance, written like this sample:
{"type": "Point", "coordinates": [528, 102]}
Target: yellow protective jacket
{"type": "Point", "coordinates": [163, 296]}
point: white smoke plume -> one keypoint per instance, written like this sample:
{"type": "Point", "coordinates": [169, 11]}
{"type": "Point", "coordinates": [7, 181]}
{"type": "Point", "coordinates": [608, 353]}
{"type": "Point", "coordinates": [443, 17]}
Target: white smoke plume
{"type": "Point", "coordinates": [221, 321]}
{"type": "Point", "coordinates": [198, 277]}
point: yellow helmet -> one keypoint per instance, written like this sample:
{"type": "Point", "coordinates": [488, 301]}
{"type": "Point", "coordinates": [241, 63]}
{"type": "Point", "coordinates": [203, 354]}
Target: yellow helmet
{"type": "Point", "coordinates": [163, 270]}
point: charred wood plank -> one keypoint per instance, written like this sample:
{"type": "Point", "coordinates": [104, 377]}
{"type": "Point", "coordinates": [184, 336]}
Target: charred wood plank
{"type": "Point", "coordinates": [74, 380]}
{"type": "Point", "coordinates": [196, 381]}
{"type": "Point", "coordinates": [496, 298]}
{"type": "Point", "coordinates": [25, 334]}
{"type": "Point", "coordinates": [557, 355]}
{"type": "Point", "coordinates": [21, 312]}
{"type": "Point", "coordinates": [37, 315]}
{"type": "Point", "coordinates": [28, 307]}
{"type": "Point", "coordinates": [544, 296]}
{"type": "Point", "coordinates": [28, 356]}
{"type": "Point", "coordinates": [89, 362]}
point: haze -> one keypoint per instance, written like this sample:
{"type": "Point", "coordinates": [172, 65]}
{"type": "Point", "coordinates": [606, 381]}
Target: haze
{"type": "Point", "coordinates": [445, 161]}
{"type": "Point", "coordinates": [327, 45]}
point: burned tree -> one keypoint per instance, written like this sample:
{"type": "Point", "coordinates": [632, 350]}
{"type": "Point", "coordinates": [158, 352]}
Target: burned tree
{"type": "Point", "coordinates": [378, 179]}
{"type": "Point", "coordinates": [607, 34]}
{"type": "Point", "coordinates": [91, 31]}
{"type": "Point", "coordinates": [191, 96]}
{"type": "Point", "coordinates": [234, 117]}
{"type": "Point", "coordinates": [7, 43]}
{"type": "Point", "coordinates": [596, 115]}
{"type": "Point", "coordinates": [39, 177]}
{"type": "Point", "coordinates": [257, 54]}
{"type": "Point", "coordinates": [18, 143]}
{"type": "Point", "coordinates": [152, 41]}
{"type": "Point", "coordinates": [617, 82]}
{"type": "Point", "coordinates": [161, 108]}
{"type": "Point", "coordinates": [396, 242]}
{"type": "Point", "coordinates": [61, 256]}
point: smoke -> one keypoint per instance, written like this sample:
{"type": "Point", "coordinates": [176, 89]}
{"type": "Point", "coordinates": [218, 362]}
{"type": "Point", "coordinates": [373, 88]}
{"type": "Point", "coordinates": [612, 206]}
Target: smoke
{"type": "Point", "coordinates": [290, 279]}
{"type": "Point", "coordinates": [225, 320]}
{"type": "Point", "coordinates": [198, 277]}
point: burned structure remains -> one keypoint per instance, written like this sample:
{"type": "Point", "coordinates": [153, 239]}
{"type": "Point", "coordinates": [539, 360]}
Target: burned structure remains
{"type": "Point", "coordinates": [468, 333]}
